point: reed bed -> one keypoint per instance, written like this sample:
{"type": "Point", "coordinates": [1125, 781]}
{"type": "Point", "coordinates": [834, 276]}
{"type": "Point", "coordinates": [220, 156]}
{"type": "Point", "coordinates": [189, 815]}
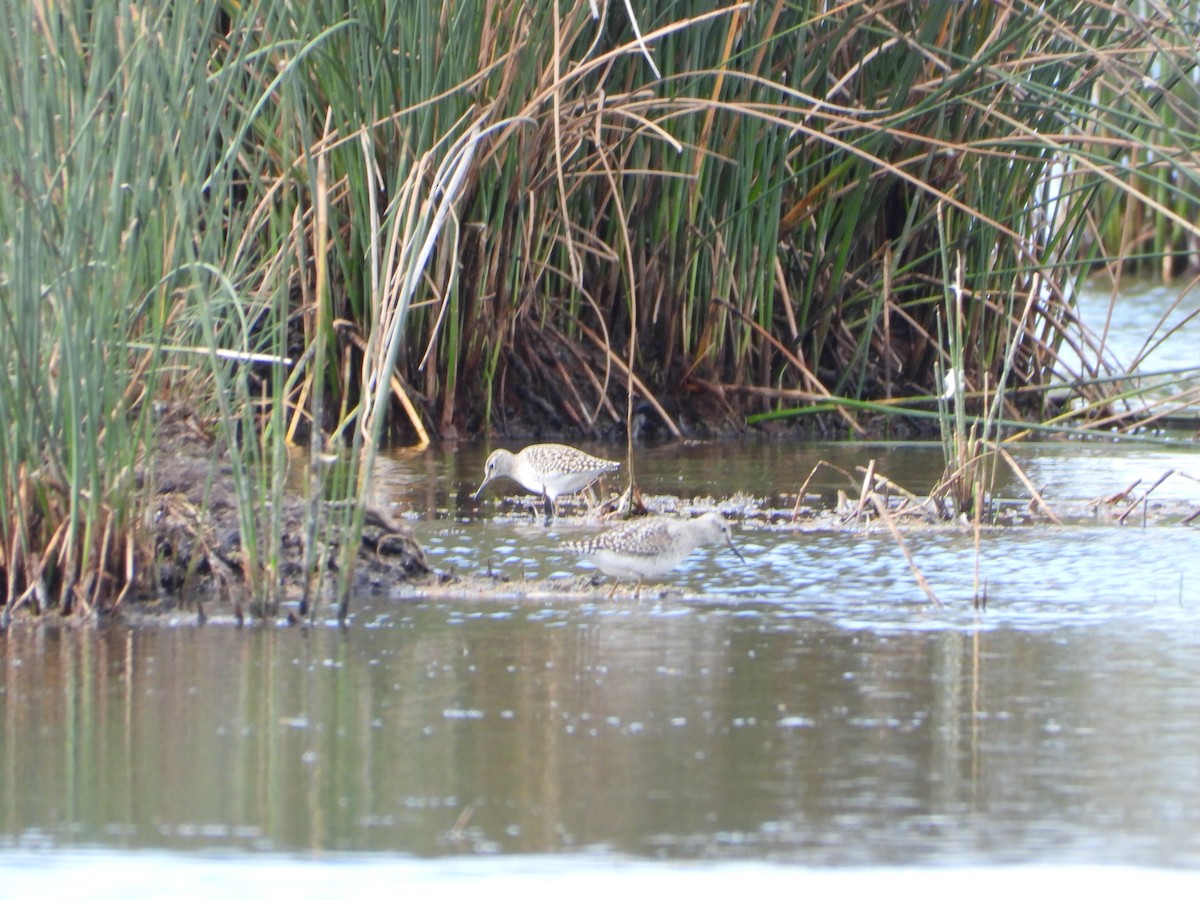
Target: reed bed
{"type": "Point", "coordinates": [340, 224]}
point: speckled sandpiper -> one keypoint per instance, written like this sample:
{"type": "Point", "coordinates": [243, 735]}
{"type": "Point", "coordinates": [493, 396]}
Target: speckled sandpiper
{"type": "Point", "coordinates": [651, 547]}
{"type": "Point", "coordinates": [550, 470]}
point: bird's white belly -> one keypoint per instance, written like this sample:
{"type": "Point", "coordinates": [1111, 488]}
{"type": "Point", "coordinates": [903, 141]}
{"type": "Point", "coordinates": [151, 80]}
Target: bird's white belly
{"type": "Point", "coordinates": [623, 565]}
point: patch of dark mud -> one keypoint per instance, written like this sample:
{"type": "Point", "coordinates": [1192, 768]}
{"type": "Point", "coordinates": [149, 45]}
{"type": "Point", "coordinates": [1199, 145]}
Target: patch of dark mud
{"type": "Point", "coordinates": [200, 555]}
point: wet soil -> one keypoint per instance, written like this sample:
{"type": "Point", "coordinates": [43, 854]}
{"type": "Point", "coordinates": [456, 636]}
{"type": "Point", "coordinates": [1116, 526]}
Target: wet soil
{"type": "Point", "coordinates": [198, 571]}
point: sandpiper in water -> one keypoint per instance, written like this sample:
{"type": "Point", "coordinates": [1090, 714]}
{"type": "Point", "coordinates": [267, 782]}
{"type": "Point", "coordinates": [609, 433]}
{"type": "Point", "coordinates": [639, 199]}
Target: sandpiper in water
{"type": "Point", "coordinates": [651, 547]}
{"type": "Point", "coordinates": [550, 470]}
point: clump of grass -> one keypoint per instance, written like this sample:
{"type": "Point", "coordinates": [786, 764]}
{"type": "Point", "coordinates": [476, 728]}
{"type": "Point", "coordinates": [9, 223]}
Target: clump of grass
{"type": "Point", "coordinates": [143, 286]}
{"type": "Point", "coordinates": [99, 267]}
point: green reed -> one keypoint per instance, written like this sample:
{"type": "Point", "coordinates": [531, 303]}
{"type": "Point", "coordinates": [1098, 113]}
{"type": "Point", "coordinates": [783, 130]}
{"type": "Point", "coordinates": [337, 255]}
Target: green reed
{"type": "Point", "coordinates": [349, 223]}
{"type": "Point", "coordinates": [92, 219]}
{"type": "Point", "coordinates": [140, 290]}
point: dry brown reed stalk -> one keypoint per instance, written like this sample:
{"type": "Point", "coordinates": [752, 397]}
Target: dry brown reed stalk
{"type": "Point", "coordinates": [351, 333]}
{"type": "Point", "coordinates": [869, 495]}
{"type": "Point", "coordinates": [1144, 500]}
{"type": "Point", "coordinates": [1038, 499]}
{"type": "Point", "coordinates": [882, 510]}
{"type": "Point", "coordinates": [866, 489]}
{"type": "Point", "coordinates": [877, 481]}
{"type": "Point", "coordinates": [44, 564]}
{"type": "Point", "coordinates": [1151, 412]}
{"type": "Point", "coordinates": [820, 392]}
{"type": "Point", "coordinates": [630, 114]}
{"type": "Point", "coordinates": [1191, 517]}
{"type": "Point", "coordinates": [871, 481]}
{"type": "Point", "coordinates": [821, 464]}
{"type": "Point", "coordinates": [964, 486]}
{"type": "Point", "coordinates": [632, 380]}
{"type": "Point", "coordinates": [632, 294]}
{"type": "Point", "coordinates": [583, 365]}
{"type": "Point", "coordinates": [795, 160]}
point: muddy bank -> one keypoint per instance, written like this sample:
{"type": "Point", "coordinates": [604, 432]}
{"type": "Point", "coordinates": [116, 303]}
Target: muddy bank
{"type": "Point", "coordinates": [197, 570]}
{"type": "Point", "coordinates": [199, 550]}
{"type": "Point", "coordinates": [392, 564]}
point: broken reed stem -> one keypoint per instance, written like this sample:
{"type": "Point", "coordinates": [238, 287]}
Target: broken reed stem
{"type": "Point", "coordinates": [414, 416]}
{"type": "Point", "coordinates": [804, 487]}
{"type": "Point", "coordinates": [1145, 497]}
{"type": "Point", "coordinates": [885, 516]}
{"type": "Point", "coordinates": [1037, 496]}
{"type": "Point", "coordinates": [892, 486]}
{"type": "Point", "coordinates": [869, 494]}
{"type": "Point", "coordinates": [867, 489]}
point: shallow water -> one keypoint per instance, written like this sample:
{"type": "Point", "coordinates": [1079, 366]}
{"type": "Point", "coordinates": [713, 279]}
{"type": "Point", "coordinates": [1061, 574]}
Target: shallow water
{"type": "Point", "coordinates": [808, 719]}
{"type": "Point", "coordinates": [1154, 326]}
{"type": "Point", "coordinates": [810, 708]}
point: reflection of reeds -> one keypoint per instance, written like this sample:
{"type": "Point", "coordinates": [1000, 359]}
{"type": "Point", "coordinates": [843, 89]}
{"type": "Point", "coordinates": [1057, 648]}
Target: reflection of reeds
{"type": "Point", "coordinates": [384, 221]}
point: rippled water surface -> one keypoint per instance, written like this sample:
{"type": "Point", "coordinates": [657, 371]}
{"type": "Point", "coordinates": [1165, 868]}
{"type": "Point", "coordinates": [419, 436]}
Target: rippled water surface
{"type": "Point", "coordinates": [1154, 327]}
{"type": "Point", "coordinates": [810, 708]}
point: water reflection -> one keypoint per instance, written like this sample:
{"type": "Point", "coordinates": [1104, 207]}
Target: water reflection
{"type": "Point", "coordinates": [810, 707]}
{"type": "Point", "coordinates": [665, 729]}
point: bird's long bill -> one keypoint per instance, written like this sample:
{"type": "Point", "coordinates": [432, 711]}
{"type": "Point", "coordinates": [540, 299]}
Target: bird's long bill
{"type": "Point", "coordinates": [486, 482]}
{"type": "Point", "coordinates": [735, 550]}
